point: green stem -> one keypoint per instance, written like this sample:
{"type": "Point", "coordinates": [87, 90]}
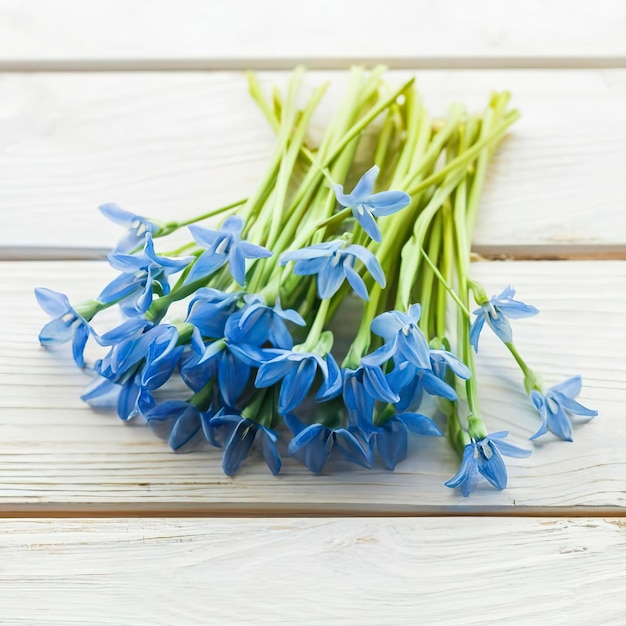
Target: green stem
{"type": "Point", "coordinates": [213, 213]}
{"type": "Point", "coordinates": [317, 327]}
{"type": "Point", "coordinates": [463, 160]}
{"type": "Point", "coordinates": [531, 380]}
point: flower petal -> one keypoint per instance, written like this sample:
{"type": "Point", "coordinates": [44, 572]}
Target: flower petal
{"type": "Point", "coordinates": [493, 469]}
{"type": "Point", "coordinates": [387, 325]}
{"type": "Point", "coordinates": [268, 448]}
{"type": "Point", "coordinates": [468, 467]}
{"type": "Point", "coordinates": [355, 281]}
{"type": "Point", "coordinates": [367, 222]}
{"type": "Point", "coordinates": [53, 303]}
{"type": "Point", "coordinates": [569, 404]}
{"type": "Point", "coordinates": [570, 387]}
{"type": "Point", "coordinates": [392, 443]}
{"type": "Point", "coordinates": [351, 448]}
{"type": "Point", "coordinates": [456, 365]}
{"type": "Point", "coordinates": [388, 202]}
{"type": "Point", "coordinates": [363, 189]}
{"type": "Point", "coordinates": [370, 261]}
{"type": "Point", "coordinates": [437, 387]}
{"type": "Point", "coordinates": [233, 225]}
{"type": "Point", "coordinates": [477, 326]}
{"type": "Point", "coordinates": [420, 424]}
{"type": "Point", "coordinates": [508, 449]}
{"type": "Point", "coordinates": [376, 385]}
{"type": "Point", "coordinates": [296, 385]}
{"type": "Point", "coordinates": [237, 264]}
{"type": "Point", "coordinates": [238, 447]}
{"type": "Point", "coordinates": [207, 263]}
{"type": "Point", "coordinates": [81, 334]}
{"type": "Point", "coordinates": [329, 280]}
{"type": "Point", "coordinates": [252, 251]}
{"type": "Point", "coordinates": [501, 326]}
{"type": "Point", "coordinates": [382, 355]}
{"type": "Point", "coordinates": [312, 446]}
{"type": "Point", "coordinates": [186, 430]}
{"type": "Point", "coordinates": [272, 371]}
{"type": "Point", "coordinates": [56, 331]}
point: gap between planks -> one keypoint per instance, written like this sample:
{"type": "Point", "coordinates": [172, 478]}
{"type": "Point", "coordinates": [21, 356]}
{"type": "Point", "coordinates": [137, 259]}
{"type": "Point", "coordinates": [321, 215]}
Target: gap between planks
{"type": "Point", "coordinates": [312, 63]}
{"type": "Point", "coordinates": [557, 252]}
{"type": "Point", "coordinates": [245, 511]}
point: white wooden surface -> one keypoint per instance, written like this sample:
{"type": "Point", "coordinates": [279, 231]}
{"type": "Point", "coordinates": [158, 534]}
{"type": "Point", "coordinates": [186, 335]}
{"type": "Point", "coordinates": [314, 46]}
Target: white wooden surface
{"type": "Point", "coordinates": [54, 450]}
{"type": "Point", "coordinates": [192, 33]}
{"type": "Point", "coordinates": [163, 143]}
{"type": "Point", "coordinates": [191, 140]}
{"type": "Point", "coordinates": [378, 572]}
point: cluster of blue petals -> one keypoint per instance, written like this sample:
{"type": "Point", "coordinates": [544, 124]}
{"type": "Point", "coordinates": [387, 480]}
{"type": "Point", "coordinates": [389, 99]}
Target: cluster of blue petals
{"type": "Point", "coordinates": [235, 352]}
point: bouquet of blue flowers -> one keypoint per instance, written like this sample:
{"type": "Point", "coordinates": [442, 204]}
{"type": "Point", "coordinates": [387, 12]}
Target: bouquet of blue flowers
{"type": "Point", "coordinates": [262, 279]}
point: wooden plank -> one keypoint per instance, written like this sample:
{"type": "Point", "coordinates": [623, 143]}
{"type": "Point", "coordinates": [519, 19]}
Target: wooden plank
{"type": "Point", "coordinates": [192, 33]}
{"type": "Point", "coordinates": [182, 144]}
{"type": "Point", "coordinates": [57, 454]}
{"type": "Point", "coordinates": [445, 571]}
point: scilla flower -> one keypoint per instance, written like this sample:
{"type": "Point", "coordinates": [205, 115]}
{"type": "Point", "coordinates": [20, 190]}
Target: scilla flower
{"type": "Point", "coordinates": [556, 405]}
{"type": "Point", "coordinates": [297, 371]}
{"type": "Point", "coordinates": [141, 274]}
{"type": "Point", "coordinates": [313, 444]}
{"type": "Point", "coordinates": [392, 438]}
{"type": "Point", "coordinates": [333, 263]}
{"type": "Point", "coordinates": [366, 206]}
{"type": "Point", "coordinates": [67, 325]}
{"type": "Point", "coordinates": [483, 457]}
{"type": "Point", "coordinates": [177, 421]}
{"type": "Point", "coordinates": [238, 434]}
{"type": "Point", "coordinates": [137, 226]}
{"type": "Point", "coordinates": [403, 338]}
{"type": "Point", "coordinates": [496, 312]}
{"type": "Point", "coordinates": [222, 246]}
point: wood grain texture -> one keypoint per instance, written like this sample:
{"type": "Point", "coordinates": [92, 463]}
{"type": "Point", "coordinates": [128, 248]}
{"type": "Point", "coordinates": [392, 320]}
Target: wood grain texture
{"type": "Point", "coordinates": [192, 33]}
{"type": "Point", "coordinates": [55, 451]}
{"type": "Point", "coordinates": [383, 572]}
{"type": "Point", "coordinates": [180, 144]}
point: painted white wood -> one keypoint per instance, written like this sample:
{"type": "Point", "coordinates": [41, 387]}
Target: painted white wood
{"type": "Point", "coordinates": [56, 451]}
{"type": "Point", "coordinates": [378, 571]}
{"type": "Point", "coordinates": [168, 144]}
{"type": "Point", "coordinates": [328, 31]}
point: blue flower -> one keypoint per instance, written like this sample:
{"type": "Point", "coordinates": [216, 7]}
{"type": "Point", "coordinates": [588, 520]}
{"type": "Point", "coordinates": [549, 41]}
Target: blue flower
{"type": "Point", "coordinates": [366, 206]}
{"type": "Point", "coordinates": [556, 405]}
{"type": "Point", "coordinates": [230, 359]}
{"type": "Point", "coordinates": [410, 382]}
{"type": "Point", "coordinates": [361, 388]}
{"type": "Point", "coordinates": [333, 263]}
{"type": "Point", "coordinates": [312, 445]}
{"type": "Point", "coordinates": [133, 368]}
{"type": "Point", "coordinates": [238, 434]}
{"type": "Point", "coordinates": [496, 312]}
{"type": "Point", "coordinates": [141, 273]}
{"type": "Point", "coordinates": [484, 457]}
{"type": "Point", "coordinates": [137, 226]}
{"type": "Point", "coordinates": [128, 395]}
{"type": "Point", "coordinates": [195, 372]}
{"type": "Point", "coordinates": [130, 329]}
{"type": "Point", "coordinates": [392, 438]}
{"type": "Point", "coordinates": [256, 323]}
{"type": "Point", "coordinates": [68, 324]}
{"type": "Point", "coordinates": [177, 421]}
{"type": "Point", "coordinates": [224, 362]}
{"type": "Point", "coordinates": [403, 339]}
{"type": "Point", "coordinates": [224, 245]}
{"type": "Point", "coordinates": [297, 371]}
{"type": "Point", "coordinates": [210, 309]}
